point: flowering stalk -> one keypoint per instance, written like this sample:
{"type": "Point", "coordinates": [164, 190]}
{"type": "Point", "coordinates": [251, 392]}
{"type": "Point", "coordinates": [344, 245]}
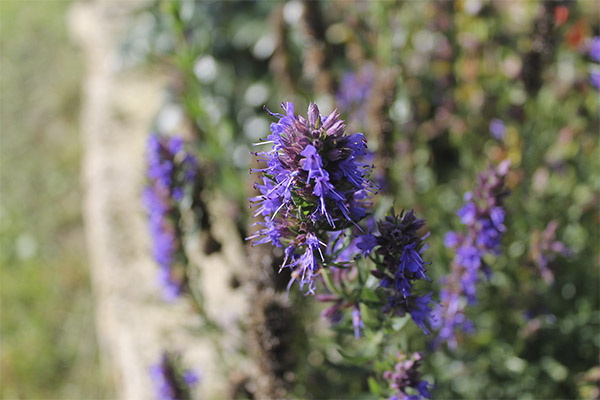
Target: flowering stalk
{"type": "Point", "coordinates": [405, 378]}
{"type": "Point", "coordinates": [313, 183]}
{"type": "Point", "coordinates": [483, 216]}
{"type": "Point", "coordinates": [354, 93]}
{"type": "Point", "coordinates": [172, 173]}
{"type": "Point", "coordinates": [545, 248]}
{"type": "Point", "coordinates": [170, 382]}
{"type": "Point", "coordinates": [397, 249]}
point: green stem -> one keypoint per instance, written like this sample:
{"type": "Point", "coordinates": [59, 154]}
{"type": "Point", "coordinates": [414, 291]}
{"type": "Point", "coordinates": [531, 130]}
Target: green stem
{"type": "Point", "coordinates": [328, 283]}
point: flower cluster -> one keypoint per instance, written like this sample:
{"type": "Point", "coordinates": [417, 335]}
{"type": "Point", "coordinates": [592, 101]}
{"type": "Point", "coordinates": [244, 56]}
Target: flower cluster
{"type": "Point", "coordinates": [483, 216]}
{"type": "Point", "coordinates": [314, 182]}
{"type": "Point", "coordinates": [171, 172]}
{"type": "Point", "coordinates": [397, 248]}
{"type": "Point", "coordinates": [406, 375]}
{"type": "Point", "coordinates": [354, 92]}
{"type": "Point", "coordinates": [544, 249]}
{"type": "Point", "coordinates": [169, 382]}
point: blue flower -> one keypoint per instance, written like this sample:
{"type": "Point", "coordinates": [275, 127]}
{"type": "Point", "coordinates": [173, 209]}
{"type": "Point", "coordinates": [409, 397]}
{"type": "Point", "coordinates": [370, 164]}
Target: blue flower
{"type": "Point", "coordinates": [467, 213]}
{"type": "Point", "coordinates": [412, 261]}
{"type": "Point", "coordinates": [497, 217]}
{"type": "Point", "coordinates": [468, 256]}
{"type": "Point", "coordinates": [366, 243]}
{"type": "Point", "coordinates": [451, 239]}
{"type": "Point", "coordinates": [489, 236]}
{"type": "Point", "coordinates": [357, 322]}
{"type": "Point", "coordinates": [420, 311]}
{"type": "Point", "coordinates": [497, 128]}
{"type": "Point", "coordinates": [595, 49]}
{"type": "Point", "coordinates": [313, 183]}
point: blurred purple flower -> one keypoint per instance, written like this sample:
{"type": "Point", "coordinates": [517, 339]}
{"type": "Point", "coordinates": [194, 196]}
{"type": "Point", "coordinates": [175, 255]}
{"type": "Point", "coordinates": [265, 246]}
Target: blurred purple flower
{"type": "Point", "coordinates": [595, 79]}
{"type": "Point", "coordinates": [406, 376]}
{"type": "Point", "coordinates": [545, 248]}
{"type": "Point", "coordinates": [497, 128]}
{"type": "Point", "coordinates": [595, 49]}
{"type": "Point", "coordinates": [483, 216]}
{"type": "Point", "coordinates": [169, 384]}
{"type": "Point", "coordinates": [357, 322]}
{"type": "Point", "coordinates": [451, 239]}
{"type": "Point", "coordinates": [354, 93]}
{"type": "Point", "coordinates": [169, 174]}
{"type": "Point", "coordinates": [191, 378]}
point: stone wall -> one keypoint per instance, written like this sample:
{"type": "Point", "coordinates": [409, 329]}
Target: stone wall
{"type": "Point", "coordinates": [134, 324]}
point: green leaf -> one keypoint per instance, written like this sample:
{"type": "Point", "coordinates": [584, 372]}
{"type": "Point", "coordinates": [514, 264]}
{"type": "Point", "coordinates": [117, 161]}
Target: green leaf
{"type": "Point", "coordinates": [374, 386]}
{"type": "Point", "coordinates": [398, 323]}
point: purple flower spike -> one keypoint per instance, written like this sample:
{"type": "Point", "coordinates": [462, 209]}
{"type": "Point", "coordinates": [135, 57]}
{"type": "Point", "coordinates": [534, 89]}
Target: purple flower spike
{"type": "Point", "coordinates": [171, 171]}
{"type": "Point", "coordinates": [354, 92]}
{"type": "Point", "coordinates": [313, 183]}
{"type": "Point", "coordinates": [483, 216]}
{"type": "Point", "coordinates": [545, 248]}
{"type": "Point", "coordinates": [400, 247]}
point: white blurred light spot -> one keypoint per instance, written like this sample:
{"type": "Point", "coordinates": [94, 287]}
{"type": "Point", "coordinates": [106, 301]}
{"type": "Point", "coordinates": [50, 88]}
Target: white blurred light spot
{"type": "Point", "coordinates": [399, 37]}
{"type": "Point", "coordinates": [325, 103]}
{"type": "Point", "coordinates": [515, 364]}
{"type": "Point", "coordinates": [26, 246]}
{"type": "Point", "coordinates": [213, 108]}
{"type": "Point", "coordinates": [256, 127]}
{"type": "Point", "coordinates": [292, 12]}
{"type": "Point", "coordinates": [205, 69]}
{"type": "Point", "coordinates": [186, 12]}
{"type": "Point", "coordinates": [423, 41]}
{"type": "Point", "coordinates": [256, 94]}
{"type": "Point", "coordinates": [512, 66]}
{"type": "Point", "coordinates": [169, 118]}
{"type": "Point", "coordinates": [400, 111]}
{"type": "Point", "coordinates": [241, 156]}
{"type": "Point", "coordinates": [566, 69]}
{"type": "Point", "coordinates": [473, 6]}
{"type": "Point", "coordinates": [264, 47]}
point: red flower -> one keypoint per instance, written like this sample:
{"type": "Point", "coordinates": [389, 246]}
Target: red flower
{"type": "Point", "coordinates": [561, 15]}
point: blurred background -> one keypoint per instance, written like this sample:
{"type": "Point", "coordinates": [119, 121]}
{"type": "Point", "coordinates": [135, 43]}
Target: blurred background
{"type": "Point", "coordinates": [440, 89]}
{"type": "Point", "coordinates": [48, 337]}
